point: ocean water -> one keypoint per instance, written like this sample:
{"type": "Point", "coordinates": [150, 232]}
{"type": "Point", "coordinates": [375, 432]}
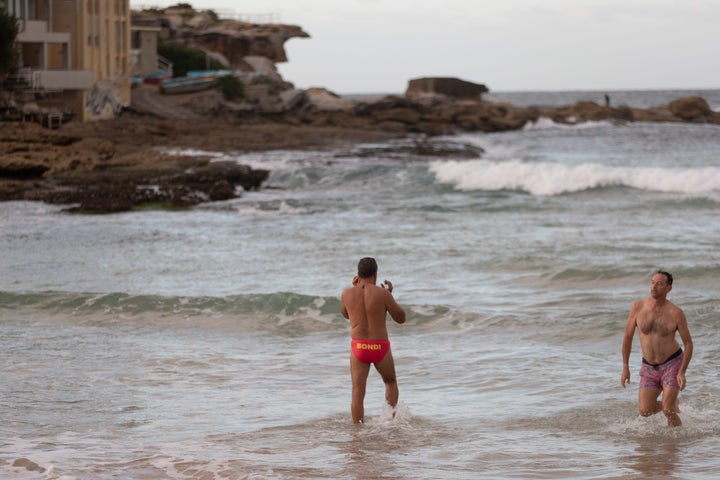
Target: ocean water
{"type": "Point", "coordinates": [631, 98]}
{"type": "Point", "coordinates": [208, 344]}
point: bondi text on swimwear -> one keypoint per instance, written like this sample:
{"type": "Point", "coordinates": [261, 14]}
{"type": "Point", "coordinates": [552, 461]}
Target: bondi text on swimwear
{"type": "Point", "coordinates": [367, 346]}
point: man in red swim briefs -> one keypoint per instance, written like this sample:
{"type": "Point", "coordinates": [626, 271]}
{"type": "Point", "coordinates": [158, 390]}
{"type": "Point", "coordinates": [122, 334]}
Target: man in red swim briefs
{"type": "Point", "coordinates": [664, 363]}
{"type": "Point", "coordinates": [366, 305]}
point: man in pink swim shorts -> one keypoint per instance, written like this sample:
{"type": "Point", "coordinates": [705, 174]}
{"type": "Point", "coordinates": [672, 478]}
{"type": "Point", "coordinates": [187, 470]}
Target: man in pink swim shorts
{"type": "Point", "coordinates": [653, 375]}
{"type": "Point", "coordinates": [664, 363]}
{"type": "Point", "coordinates": [366, 306]}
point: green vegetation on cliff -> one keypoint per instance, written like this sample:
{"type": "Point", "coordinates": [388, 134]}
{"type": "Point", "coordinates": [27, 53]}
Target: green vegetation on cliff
{"type": "Point", "coordinates": [8, 33]}
{"type": "Point", "coordinates": [185, 59]}
{"type": "Point", "coordinates": [232, 88]}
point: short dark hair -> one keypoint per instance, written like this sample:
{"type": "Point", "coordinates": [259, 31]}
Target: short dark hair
{"type": "Point", "coordinates": [367, 267]}
{"type": "Point", "coordinates": [668, 275]}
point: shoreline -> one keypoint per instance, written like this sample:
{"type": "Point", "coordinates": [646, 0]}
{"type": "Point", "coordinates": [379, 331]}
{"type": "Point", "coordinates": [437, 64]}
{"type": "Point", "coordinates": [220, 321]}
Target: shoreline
{"type": "Point", "coordinates": [100, 167]}
{"type": "Point", "coordinates": [133, 133]}
{"type": "Point", "coordinates": [119, 165]}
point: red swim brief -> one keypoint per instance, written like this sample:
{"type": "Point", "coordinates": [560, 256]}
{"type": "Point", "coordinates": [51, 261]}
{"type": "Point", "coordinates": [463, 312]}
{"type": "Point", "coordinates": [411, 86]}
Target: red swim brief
{"type": "Point", "coordinates": [370, 351]}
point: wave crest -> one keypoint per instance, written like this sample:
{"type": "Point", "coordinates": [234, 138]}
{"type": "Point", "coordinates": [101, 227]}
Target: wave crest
{"type": "Point", "coordinates": [280, 313]}
{"type": "Point", "coordinates": [544, 123]}
{"type": "Point", "coordinates": [544, 178]}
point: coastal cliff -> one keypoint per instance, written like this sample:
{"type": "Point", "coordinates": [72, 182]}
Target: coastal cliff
{"type": "Point", "coordinates": [430, 105]}
{"type": "Point", "coordinates": [228, 40]}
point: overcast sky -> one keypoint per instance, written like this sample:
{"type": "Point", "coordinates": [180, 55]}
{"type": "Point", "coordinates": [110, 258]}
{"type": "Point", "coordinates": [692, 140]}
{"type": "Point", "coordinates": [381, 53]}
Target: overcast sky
{"type": "Point", "coordinates": [376, 46]}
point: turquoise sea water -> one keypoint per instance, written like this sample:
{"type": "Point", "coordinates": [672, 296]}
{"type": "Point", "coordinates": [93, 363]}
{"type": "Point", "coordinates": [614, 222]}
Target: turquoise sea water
{"type": "Point", "coordinates": [208, 343]}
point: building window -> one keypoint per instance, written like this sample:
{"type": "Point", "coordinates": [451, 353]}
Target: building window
{"type": "Point", "coordinates": [16, 7]}
{"type": "Point", "coordinates": [135, 40]}
{"type": "Point", "coordinates": [38, 10]}
{"type": "Point", "coordinates": [89, 26]}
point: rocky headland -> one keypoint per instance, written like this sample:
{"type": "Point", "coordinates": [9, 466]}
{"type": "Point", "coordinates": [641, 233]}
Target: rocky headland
{"type": "Point", "coordinates": [128, 163]}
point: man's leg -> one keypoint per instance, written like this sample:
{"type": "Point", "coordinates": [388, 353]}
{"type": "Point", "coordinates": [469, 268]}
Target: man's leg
{"type": "Point", "coordinates": [386, 368]}
{"type": "Point", "coordinates": [648, 403]}
{"type": "Point", "coordinates": [670, 406]}
{"type": "Point", "coordinates": [359, 373]}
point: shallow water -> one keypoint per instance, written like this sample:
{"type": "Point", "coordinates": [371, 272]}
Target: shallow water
{"type": "Point", "coordinates": [208, 343]}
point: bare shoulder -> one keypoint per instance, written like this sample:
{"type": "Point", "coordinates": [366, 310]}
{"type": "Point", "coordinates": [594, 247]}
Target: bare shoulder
{"type": "Point", "coordinates": [347, 294]}
{"type": "Point", "coordinates": [676, 311]}
{"type": "Point", "coordinates": [638, 305]}
{"type": "Point", "coordinates": [387, 295]}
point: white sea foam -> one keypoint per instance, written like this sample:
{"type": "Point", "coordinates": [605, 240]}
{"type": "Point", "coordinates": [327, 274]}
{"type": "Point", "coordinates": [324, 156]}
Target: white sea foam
{"type": "Point", "coordinates": [545, 178]}
{"type": "Point", "coordinates": [493, 150]}
{"type": "Point", "coordinates": [270, 159]}
{"type": "Point", "coordinates": [698, 420]}
{"type": "Point", "coordinates": [398, 416]}
{"type": "Point", "coordinates": [191, 152]}
{"type": "Point", "coordinates": [279, 207]}
{"type": "Point", "coordinates": [544, 123]}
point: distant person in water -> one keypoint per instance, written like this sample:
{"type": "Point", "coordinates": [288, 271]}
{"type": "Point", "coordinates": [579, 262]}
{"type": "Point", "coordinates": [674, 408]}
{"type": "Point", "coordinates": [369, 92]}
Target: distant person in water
{"type": "Point", "coordinates": [366, 305]}
{"type": "Point", "coordinates": [664, 363]}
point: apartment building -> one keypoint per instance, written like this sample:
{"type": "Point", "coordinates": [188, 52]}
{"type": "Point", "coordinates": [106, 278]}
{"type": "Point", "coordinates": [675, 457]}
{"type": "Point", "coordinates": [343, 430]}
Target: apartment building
{"type": "Point", "coordinates": [76, 51]}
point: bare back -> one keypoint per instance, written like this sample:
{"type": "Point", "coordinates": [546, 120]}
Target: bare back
{"type": "Point", "coordinates": [366, 305]}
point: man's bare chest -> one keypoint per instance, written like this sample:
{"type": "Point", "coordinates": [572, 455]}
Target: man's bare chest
{"type": "Point", "coordinates": [656, 323]}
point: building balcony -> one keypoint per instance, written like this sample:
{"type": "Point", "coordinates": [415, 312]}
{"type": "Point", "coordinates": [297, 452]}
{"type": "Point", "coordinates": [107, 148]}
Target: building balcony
{"type": "Point", "coordinates": [36, 31]}
{"type": "Point", "coordinates": [57, 79]}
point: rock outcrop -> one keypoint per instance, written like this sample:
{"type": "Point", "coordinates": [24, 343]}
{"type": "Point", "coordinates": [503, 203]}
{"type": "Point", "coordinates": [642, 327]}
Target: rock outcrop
{"type": "Point", "coordinates": [231, 40]}
{"type": "Point", "coordinates": [181, 182]}
{"type": "Point", "coordinates": [430, 105]}
{"type": "Point", "coordinates": [29, 151]}
{"type": "Point", "coordinates": [50, 166]}
{"type": "Point", "coordinates": [251, 50]}
{"type": "Point", "coordinates": [692, 109]}
{"type": "Point", "coordinates": [589, 111]}
{"type": "Point", "coordinates": [323, 100]}
{"type": "Point", "coordinates": [443, 117]}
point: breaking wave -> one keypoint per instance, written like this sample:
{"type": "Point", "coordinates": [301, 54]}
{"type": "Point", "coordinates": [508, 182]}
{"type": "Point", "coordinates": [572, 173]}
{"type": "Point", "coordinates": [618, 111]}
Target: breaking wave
{"type": "Point", "coordinates": [545, 178]}
{"type": "Point", "coordinates": [281, 313]}
{"type": "Point", "coordinates": [544, 123]}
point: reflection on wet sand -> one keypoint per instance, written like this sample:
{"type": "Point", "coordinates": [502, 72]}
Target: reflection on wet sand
{"type": "Point", "coordinates": [655, 459]}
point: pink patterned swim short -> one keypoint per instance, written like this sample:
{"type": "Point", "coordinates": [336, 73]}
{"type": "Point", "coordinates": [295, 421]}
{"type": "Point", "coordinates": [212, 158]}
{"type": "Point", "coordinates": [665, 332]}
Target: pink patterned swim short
{"type": "Point", "coordinates": [663, 375]}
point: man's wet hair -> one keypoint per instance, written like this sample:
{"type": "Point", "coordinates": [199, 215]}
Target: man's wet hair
{"type": "Point", "coordinates": [668, 276]}
{"type": "Point", "coordinates": [367, 267]}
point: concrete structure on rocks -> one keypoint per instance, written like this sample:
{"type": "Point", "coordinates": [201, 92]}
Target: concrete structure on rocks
{"type": "Point", "coordinates": [444, 87]}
